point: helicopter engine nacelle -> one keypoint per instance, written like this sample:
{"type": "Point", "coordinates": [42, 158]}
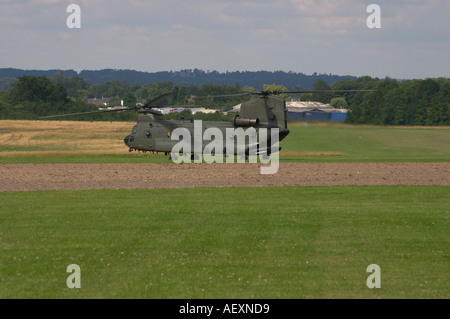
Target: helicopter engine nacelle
{"type": "Point", "coordinates": [237, 121]}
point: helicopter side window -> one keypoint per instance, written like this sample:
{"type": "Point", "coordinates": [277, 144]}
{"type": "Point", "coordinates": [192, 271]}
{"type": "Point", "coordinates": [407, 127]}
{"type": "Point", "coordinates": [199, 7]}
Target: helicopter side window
{"type": "Point", "coordinates": [148, 134]}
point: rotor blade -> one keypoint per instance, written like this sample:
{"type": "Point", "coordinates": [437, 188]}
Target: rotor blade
{"type": "Point", "coordinates": [159, 98]}
{"type": "Point", "coordinates": [329, 91]}
{"type": "Point", "coordinates": [224, 95]}
{"type": "Point", "coordinates": [148, 105]}
{"type": "Point", "coordinates": [191, 106]}
{"type": "Point", "coordinates": [86, 113]}
{"type": "Point", "coordinates": [279, 92]}
{"type": "Point", "coordinates": [314, 91]}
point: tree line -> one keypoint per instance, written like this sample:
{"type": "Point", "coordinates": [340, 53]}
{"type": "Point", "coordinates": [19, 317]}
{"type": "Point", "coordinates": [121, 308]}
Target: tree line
{"type": "Point", "coordinates": [32, 97]}
{"type": "Point", "coordinates": [408, 102]}
{"type": "Point", "coordinates": [393, 102]}
{"type": "Point", "coordinates": [182, 77]}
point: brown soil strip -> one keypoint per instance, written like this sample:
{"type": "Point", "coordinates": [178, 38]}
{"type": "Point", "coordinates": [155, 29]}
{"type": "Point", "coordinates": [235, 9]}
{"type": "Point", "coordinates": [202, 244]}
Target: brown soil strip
{"type": "Point", "coordinates": [30, 177]}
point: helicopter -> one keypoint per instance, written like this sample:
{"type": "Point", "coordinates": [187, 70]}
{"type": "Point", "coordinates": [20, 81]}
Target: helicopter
{"type": "Point", "coordinates": [264, 111]}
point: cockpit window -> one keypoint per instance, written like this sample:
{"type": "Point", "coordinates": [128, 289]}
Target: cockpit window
{"type": "Point", "coordinates": [134, 131]}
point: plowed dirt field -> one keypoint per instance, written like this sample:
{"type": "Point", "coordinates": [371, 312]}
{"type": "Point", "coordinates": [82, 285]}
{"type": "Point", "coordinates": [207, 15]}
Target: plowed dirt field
{"type": "Point", "coordinates": [29, 177]}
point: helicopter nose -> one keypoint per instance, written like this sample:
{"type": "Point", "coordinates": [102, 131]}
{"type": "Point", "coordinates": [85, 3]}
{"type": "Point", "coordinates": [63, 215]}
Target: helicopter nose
{"type": "Point", "coordinates": [126, 140]}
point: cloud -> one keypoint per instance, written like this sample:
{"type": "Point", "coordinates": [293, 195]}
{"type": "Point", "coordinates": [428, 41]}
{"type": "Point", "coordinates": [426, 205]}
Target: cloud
{"type": "Point", "coordinates": [299, 35]}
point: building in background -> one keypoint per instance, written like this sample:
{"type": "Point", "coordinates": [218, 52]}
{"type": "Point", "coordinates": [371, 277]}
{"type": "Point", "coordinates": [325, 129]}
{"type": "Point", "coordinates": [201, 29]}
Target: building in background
{"type": "Point", "coordinates": [314, 111]}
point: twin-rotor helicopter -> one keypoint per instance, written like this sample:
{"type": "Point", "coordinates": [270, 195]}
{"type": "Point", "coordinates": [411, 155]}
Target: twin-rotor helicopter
{"type": "Point", "coordinates": [265, 110]}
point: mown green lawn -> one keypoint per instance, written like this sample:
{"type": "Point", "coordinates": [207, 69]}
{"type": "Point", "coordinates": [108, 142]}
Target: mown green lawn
{"type": "Point", "coordinates": [367, 143]}
{"type": "Point", "coordinates": [287, 242]}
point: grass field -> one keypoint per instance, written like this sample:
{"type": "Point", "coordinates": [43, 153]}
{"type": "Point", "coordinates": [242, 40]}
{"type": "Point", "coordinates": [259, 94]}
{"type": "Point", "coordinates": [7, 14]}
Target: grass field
{"type": "Point", "coordinates": [102, 142]}
{"type": "Point", "coordinates": [291, 242]}
{"type": "Point", "coordinates": [353, 143]}
{"type": "Point", "coordinates": [286, 242]}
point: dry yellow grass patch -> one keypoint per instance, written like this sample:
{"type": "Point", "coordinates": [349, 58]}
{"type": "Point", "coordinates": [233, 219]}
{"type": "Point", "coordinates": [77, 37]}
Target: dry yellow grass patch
{"type": "Point", "coordinates": [29, 138]}
{"type": "Point", "coordinates": [62, 136]}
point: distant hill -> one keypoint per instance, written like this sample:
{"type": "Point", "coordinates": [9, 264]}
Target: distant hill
{"type": "Point", "coordinates": [255, 79]}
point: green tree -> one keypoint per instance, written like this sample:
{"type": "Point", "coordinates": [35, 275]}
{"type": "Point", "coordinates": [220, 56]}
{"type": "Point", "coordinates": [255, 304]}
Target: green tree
{"type": "Point", "coordinates": [30, 88]}
{"type": "Point", "coordinates": [321, 85]}
{"type": "Point", "coordinates": [339, 102]}
{"type": "Point", "coordinates": [129, 99]}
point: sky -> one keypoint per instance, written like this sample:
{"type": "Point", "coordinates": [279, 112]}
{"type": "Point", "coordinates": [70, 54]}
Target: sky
{"type": "Point", "coordinates": [307, 36]}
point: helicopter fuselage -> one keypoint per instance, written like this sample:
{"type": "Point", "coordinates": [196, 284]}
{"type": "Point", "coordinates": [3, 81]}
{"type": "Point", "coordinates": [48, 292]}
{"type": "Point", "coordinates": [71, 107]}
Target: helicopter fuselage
{"type": "Point", "coordinates": [155, 135]}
